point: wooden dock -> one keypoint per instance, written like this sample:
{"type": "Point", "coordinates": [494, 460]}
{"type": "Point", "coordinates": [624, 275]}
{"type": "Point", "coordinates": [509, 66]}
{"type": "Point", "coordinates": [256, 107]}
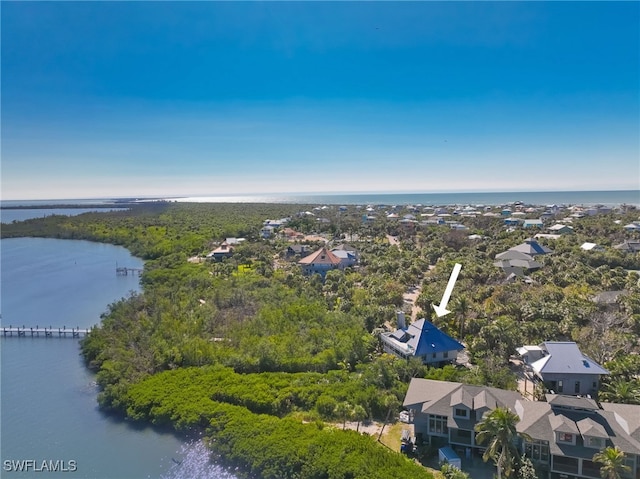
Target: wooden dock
{"type": "Point", "coordinates": [121, 271]}
{"type": "Point", "coordinates": [38, 332]}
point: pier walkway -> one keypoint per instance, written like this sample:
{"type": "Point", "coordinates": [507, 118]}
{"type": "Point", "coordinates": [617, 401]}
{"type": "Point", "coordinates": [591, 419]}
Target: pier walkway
{"type": "Point", "coordinates": [121, 271]}
{"type": "Point", "coordinates": [37, 332]}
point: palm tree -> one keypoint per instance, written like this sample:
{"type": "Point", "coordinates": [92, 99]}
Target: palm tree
{"type": "Point", "coordinates": [343, 410]}
{"type": "Point", "coordinates": [499, 428]}
{"type": "Point", "coordinates": [451, 472]}
{"type": "Point", "coordinates": [621, 391]}
{"type": "Point", "coordinates": [612, 460]}
{"type": "Point", "coordinates": [392, 403]}
{"type": "Point", "coordinates": [359, 414]}
{"type": "Point", "coordinates": [461, 308]}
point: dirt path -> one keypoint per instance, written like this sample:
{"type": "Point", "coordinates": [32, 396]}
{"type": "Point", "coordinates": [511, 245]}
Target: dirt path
{"type": "Point", "coordinates": [410, 297]}
{"type": "Point", "coordinates": [412, 294]}
{"type": "Point", "coordinates": [370, 427]}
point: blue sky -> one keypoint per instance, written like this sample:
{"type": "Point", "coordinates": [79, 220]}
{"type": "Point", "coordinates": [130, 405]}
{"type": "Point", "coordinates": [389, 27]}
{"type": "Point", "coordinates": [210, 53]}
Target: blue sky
{"type": "Point", "coordinates": [108, 99]}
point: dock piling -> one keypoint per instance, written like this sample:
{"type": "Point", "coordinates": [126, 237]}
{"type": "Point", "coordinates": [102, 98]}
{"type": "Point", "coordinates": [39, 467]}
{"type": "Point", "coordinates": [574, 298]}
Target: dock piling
{"type": "Point", "coordinates": [47, 332]}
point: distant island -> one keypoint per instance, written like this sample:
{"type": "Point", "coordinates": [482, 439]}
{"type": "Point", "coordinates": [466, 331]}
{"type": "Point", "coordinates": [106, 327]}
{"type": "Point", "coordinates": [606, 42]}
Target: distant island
{"type": "Point", "coordinates": [291, 335]}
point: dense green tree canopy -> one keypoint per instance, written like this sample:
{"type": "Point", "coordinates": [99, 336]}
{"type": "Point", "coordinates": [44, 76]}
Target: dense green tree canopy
{"type": "Point", "coordinates": [246, 348]}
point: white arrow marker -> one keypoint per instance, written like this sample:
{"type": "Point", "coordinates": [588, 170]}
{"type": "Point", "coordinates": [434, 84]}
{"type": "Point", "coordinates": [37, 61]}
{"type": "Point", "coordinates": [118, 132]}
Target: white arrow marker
{"type": "Point", "coordinates": [442, 309]}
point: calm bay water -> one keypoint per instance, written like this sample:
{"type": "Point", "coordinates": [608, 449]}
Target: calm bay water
{"type": "Point", "coordinates": [8, 216]}
{"type": "Point", "coordinates": [48, 398]}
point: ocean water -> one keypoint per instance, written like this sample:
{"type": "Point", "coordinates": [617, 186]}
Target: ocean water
{"type": "Point", "coordinates": [48, 401]}
{"type": "Point", "coordinates": [608, 198]}
{"type": "Point", "coordinates": [586, 198]}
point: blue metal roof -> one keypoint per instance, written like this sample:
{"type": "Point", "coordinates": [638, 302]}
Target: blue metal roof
{"type": "Point", "coordinates": [427, 338]}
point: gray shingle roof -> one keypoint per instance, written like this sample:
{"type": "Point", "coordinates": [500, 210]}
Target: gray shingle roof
{"type": "Point", "coordinates": [632, 246]}
{"type": "Point", "coordinates": [618, 435]}
{"type": "Point", "coordinates": [561, 423]}
{"type": "Point", "coordinates": [531, 247]}
{"type": "Point", "coordinates": [532, 418]}
{"type": "Point", "coordinates": [435, 396]}
{"type": "Point", "coordinates": [484, 400]}
{"type": "Point", "coordinates": [573, 402]}
{"type": "Point", "coordinates": [511, 254]}
{"type": "Point", "coordinates": [518, 263]}
{"type": "Point", "coordinates": [540, 421]}
{"type": "Point", "coordinates": [619, 423]}
{"type": "Point", "coordinates": [428, 391]}
{"type": "Point", "coordinates": [629, 415]}
{"type": "Point", "coordinates": [588, 427]}
{"type": "Point", "coordinates": [461, 397]}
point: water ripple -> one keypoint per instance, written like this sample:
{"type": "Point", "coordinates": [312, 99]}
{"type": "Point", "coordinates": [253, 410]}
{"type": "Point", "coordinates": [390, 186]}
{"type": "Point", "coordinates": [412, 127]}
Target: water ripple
{"type": "Point", "coordinates": [193, 462]}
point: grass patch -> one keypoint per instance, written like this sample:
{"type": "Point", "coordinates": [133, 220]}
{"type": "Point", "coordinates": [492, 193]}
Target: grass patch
{"type": "Point", "coordinates": [393, 434]}
{"type": "Point", "coordinates": [244, 269]}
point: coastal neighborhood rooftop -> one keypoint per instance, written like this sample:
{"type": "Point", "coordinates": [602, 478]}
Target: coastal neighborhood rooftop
{"type": "Point", "coordinates": [560, 434]}
{"type": "Point", "coordinates": [421, 339]}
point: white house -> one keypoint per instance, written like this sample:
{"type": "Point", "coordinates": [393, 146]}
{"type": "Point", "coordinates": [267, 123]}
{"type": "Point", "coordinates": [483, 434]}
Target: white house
{"type": "Point", "coordinates": [591, 247]}
{"type": "Point", "coordinates": [421, 339]}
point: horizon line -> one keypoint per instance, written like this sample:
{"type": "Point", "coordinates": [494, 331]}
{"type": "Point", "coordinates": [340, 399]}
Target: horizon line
{"type": "Point", "coordinates": [319, 193]}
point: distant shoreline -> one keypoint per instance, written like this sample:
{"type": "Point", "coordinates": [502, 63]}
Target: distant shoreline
{"type": "Point", "coordinates": [584, 198]}
{"type": "Point", "coordinates": [66, 205]}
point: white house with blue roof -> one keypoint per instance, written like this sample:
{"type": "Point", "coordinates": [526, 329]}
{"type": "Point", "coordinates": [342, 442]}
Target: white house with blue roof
{"type": "Point", "coordinates": [421, 339]}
